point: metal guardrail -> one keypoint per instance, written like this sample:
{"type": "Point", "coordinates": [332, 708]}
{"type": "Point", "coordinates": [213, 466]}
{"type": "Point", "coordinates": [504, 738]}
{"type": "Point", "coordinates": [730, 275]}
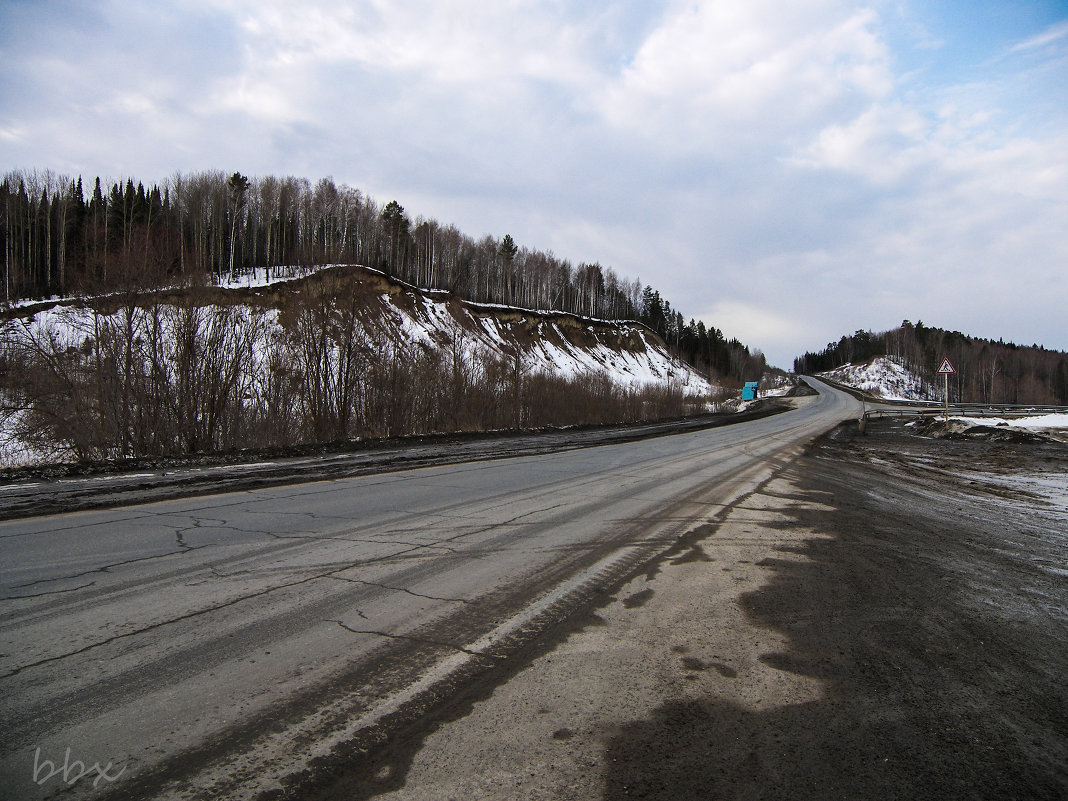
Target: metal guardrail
{"type": "Point", "coordinates": [901, 408]}
{"type": "Point", "coordinates": [970, 410]}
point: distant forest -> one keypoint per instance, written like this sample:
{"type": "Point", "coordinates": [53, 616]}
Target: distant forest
{"type": "Point", "coordinates": [987, 371]}
{"type": "Point", "coordinates": [60, 237]}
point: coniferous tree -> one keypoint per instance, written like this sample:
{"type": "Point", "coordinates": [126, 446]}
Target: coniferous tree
{"type": "Point", "coordinates": [396, 225]}
{"type": "Point", "coordinates": [238, 186]}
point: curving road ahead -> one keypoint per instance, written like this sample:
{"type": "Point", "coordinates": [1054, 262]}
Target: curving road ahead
{"type": "Point", "coordinates": [212, 646]}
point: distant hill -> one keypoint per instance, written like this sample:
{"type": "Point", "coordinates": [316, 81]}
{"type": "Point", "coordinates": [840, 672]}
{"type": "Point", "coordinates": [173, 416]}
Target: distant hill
{"type": "Point", "coordinates": [987, 371]}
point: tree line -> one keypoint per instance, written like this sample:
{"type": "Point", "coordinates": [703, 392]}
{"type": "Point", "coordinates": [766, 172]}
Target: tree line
{"type": "Point", "coordinates": [703, 347]}
{"type": "Point", "coordinates": [59, 237]}
{"type": "Point", "coordinates": [986, 371]}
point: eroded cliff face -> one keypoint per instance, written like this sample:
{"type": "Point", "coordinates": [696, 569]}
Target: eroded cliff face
{"type": "Point", "coordinates": [382, 308]}
{"type": "Point", "coordinates": [552, 342]}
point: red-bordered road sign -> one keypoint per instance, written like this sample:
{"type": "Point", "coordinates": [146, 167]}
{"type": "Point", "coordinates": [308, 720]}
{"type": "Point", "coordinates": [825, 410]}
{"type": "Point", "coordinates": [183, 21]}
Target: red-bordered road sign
{"type": "Point", "coordinates": [946, 368]}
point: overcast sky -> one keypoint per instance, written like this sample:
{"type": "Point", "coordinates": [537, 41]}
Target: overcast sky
{"type": "Point", "coordinates": [786, 170]}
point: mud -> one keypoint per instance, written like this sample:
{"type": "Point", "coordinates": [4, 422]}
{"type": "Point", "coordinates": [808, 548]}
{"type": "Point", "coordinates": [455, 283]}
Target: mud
{"type": "Point", "coordinates": [933, 616]}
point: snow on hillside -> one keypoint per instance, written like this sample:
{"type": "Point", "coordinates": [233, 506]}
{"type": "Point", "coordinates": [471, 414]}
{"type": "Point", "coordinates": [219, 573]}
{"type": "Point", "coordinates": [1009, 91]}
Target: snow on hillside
{"type": "Point", "coordinates": [555, 343]}
{"type": "Point", "coordinates": [392, 319]}
{"type": "Point", "coordinates": [884, 376]}
{"type": "Point", "coordinates": [551, 342]}
{"type": "Point", "coordinates": [553, 350]}
{"type": "Point", "coordinates": [773, 385]}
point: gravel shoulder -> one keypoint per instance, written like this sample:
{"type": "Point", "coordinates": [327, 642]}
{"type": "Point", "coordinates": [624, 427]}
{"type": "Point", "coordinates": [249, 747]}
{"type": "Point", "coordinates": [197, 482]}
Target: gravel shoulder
{"type": "Point", "coordinates": [883, 618]}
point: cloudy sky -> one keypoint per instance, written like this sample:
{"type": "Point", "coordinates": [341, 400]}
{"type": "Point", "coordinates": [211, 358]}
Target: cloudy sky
{"type": "Point", "coordinates": [786, 170]}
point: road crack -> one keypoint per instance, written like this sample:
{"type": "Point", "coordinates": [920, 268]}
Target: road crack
{"type": "Point", "coordinates": [422, 640]}
{"type": "Point", "coordinates": [108, 568]}
{"type": "Point", "coordinates": [207, 610]}
{"type": "Point", "coordinates": [413, 593]}
{"type": "Point", "coordinates": [49, 592]}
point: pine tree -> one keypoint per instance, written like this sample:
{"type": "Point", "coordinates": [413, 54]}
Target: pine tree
{"type": "Point", "coordinates": [238, 186]}
{"type": "Point", "coordinates": [507, 251]}
{"type": "Point", "coordinates": [396, 225]}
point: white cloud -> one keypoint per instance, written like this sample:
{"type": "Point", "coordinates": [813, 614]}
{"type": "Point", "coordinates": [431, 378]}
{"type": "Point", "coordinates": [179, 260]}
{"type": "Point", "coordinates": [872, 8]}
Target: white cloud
{"type": "Point", "coordinates": [450, 41]}
{"type": "Point", "coordinates": [717, 74]}
{"type": "Point", "coordinates": [1053, 34]}
{"type": "Point", "coordinates": [262, 95]}
{"type": "Point", "coordinates": [755, 322]}
{"type": "Point", "coordinates": [765, 162]}
{"type": "Point", "coordinates": [11, 134]}
{"type": "Point", "coordinates": [884, 144]}
{"type": "Point", "coordinates": [968, 243]}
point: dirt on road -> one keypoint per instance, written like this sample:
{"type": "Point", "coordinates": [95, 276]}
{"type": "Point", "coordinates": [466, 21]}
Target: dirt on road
{"type": "Point", "coordinates": [885, 617]}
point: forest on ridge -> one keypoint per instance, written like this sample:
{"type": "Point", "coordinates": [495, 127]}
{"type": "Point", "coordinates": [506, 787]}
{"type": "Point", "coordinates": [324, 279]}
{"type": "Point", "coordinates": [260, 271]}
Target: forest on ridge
{"type": "Point", "coordinates": [987, 371]}
{"type": "Point", "coordinates": [59, 237]}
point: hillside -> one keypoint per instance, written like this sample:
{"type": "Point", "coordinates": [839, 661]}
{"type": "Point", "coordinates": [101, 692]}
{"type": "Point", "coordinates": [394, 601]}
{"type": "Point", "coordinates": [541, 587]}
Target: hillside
{"type": "Point", "coordinates": [986, 371]}
{"type": "Point", "coordinates": [884, 376]}
{"type": "Point", "coordinates": [341, 353]}
{"type": "Point", "coordinates": [63, 239]}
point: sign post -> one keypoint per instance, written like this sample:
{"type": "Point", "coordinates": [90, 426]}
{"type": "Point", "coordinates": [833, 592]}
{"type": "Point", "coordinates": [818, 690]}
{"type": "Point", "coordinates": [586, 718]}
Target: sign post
{"type": "Point", "coordinates": [945, 369]}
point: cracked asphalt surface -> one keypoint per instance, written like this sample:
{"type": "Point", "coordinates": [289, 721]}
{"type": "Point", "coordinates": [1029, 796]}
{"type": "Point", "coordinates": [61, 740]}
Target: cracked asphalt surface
{"type": "Point", "coordinates": [242, 644]}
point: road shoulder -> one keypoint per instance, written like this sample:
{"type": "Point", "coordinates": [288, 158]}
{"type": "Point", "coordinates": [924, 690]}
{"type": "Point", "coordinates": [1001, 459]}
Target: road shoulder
{"type": "Point", "coordinates": [851, 629]}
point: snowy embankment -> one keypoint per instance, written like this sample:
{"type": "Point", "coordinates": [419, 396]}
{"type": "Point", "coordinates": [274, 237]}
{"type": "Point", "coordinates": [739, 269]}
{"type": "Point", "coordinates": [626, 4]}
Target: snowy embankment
{"type": "Point", "coordinates": [649, 364]}
{"type": "Point", "coordinates": [887, 377]}
{"type": "Point", "coordinates": [884, 376]}
{"type": "Point", "coordinates": [556, 343]}
{"type": "Point", "coordinates": [1044, 426]}
{"type": "Point", "coordinates": [776, 386]}
{"type": "Point", "coordinates": [1041, 422]}
{"type": "Point", "coordinates": [299, 345]}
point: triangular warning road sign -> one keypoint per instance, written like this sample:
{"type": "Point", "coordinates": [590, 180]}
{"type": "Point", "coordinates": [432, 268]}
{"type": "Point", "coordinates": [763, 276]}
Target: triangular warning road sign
{"type": "Point", "coordinates": [946, 368]}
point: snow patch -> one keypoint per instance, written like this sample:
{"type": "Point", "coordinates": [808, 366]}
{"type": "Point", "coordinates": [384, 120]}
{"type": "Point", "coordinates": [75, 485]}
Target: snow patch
{"type": "Point", "coordinates": [884, 376]}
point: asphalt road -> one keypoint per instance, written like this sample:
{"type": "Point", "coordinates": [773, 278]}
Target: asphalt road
{"type": "Point", "coordinates": [229, 645]}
